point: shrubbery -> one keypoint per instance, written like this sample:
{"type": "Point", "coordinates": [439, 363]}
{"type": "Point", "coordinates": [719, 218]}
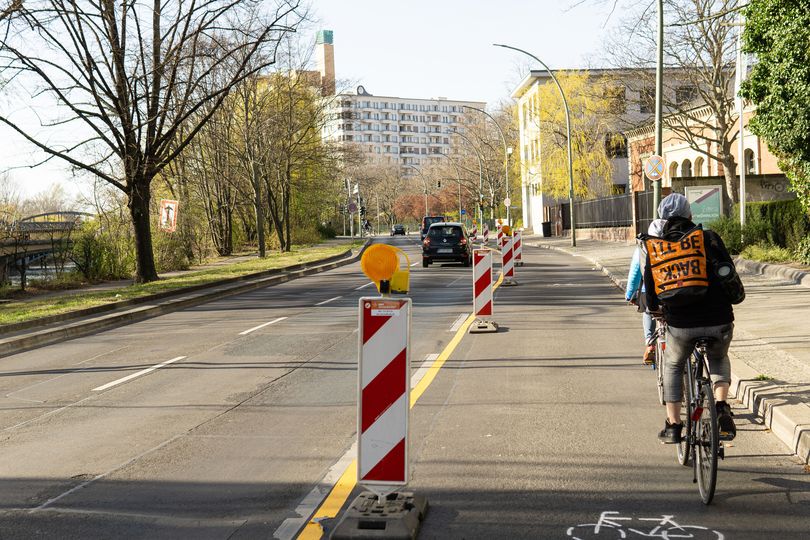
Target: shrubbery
{"type": "Point", "coordinates": [102, 254]}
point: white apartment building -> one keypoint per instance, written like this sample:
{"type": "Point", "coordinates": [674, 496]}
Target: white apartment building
{"type": "Point", "coordinates": [407, 131]}
{"type": "Point", "coordinates": [395, 130]}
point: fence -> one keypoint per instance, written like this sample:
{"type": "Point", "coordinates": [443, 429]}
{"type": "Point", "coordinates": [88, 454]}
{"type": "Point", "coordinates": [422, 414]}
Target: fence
{"type": "Point", "coordinates": [604, 212]}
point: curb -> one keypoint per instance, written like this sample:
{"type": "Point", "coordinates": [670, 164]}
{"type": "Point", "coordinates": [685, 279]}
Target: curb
{"type": "Point", "coordinates": [798, 277]}
{"type": "Point", "coordinates": [213, 291]}
{"type": "Point", "coordinates": [787, 419]}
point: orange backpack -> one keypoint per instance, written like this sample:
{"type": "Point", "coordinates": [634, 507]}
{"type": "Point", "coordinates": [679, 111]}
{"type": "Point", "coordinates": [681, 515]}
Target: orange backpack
{"type": "Point", "coordinates": [679, 266]}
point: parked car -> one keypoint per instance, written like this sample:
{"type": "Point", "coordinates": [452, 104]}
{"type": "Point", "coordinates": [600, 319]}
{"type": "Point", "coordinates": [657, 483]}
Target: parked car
{"type": "Point", "coordinates": [446, 242]}
{"type": "Point", "coordinates": [427, 221]}
{"type": "Point", "coordinates": [398, 229]}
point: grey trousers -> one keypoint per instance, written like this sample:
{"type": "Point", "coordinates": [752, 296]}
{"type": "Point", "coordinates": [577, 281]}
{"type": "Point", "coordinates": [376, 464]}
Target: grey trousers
{"type": "Point", "coordinates": [681, 343]}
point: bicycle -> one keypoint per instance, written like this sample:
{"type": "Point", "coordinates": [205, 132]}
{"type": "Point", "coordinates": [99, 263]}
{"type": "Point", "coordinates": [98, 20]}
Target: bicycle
{"type": "Point", "coordinates": [701, 442]}
{"type": "Point", "coordinates": [660, 339]}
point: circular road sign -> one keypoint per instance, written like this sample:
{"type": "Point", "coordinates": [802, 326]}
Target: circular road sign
{"type": "Point", "coordinates": [654, 168]}
{"type": "Point", "coordinates": [463, 211]}
{"type": "Point", "coordinates": [507, 202]}
{"type": "Point", "coordinates": [352, 208]}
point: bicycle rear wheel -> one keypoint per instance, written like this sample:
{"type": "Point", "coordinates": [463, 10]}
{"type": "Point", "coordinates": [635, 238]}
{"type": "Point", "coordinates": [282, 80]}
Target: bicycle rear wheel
{"type": "Point", "coordinates": [659, 369]}
{"type": "Point", "coordinates": [684, 448]}
{"type": "Point", "coordinates": [706, 444]}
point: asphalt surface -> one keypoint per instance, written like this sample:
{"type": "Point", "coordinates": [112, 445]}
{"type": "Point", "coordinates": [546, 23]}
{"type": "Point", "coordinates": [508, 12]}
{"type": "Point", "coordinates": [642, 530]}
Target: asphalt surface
{"type": "Point", "coordinates": [522, 434]}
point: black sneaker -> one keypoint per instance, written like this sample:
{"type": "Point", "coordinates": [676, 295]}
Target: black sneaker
{"type": "Point", "coordinates": [671, 434]}
{"type": "Point", "coordinates": [725, 422]}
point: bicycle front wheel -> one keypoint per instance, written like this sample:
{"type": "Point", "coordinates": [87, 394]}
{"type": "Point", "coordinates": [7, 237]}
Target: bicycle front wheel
{"type": "Point", "coordinates": [707, 444]}
{"type": "Point", "coordinates": [659, 369]}
{"type": "Point", "coordinates": [684, 447]}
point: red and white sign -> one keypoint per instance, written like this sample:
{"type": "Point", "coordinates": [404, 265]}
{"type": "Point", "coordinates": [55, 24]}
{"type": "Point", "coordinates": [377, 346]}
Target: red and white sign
{"type": "Point", "coordinates": [384, 390]}
{"type": "Point", "coordinates": [500, 236]}
{"type": "Point", "coordinates": [168, 215]}
{"type": "Point", "coordinates": [474, 232]}
{"type": "Point", "coordinates": [508, 260]}
{"type": "Point", "coordinates": [518, 248]}
{"type": "Point", "coordinates": [486, 233]}
{"type": "Point", "coordinates": [482, 283]}
{"type": "Point", "coordinates": [654, 168]}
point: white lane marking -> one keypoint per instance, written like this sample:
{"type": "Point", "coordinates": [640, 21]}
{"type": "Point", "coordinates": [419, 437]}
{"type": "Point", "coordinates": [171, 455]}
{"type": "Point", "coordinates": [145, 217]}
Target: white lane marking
{"type": "Point", "coordinates": [414, 264]}
{"type": "Point", "coordinates": [456, 281]}
{"type": "Point", "coordinates": [86, 483]}
{"type": "Point", "coordinates": [60, 409]}
{"type": "Point", "coordinates": [458, 322]}
{"type": "Point", "coordinates": [417, 376]}
{"type": "Point", "coordinates": [327, 301]}
{"type": "Point", "coordinates": [137, 374]}
{"type": "Point", "coordinates": [246, 332]}
{"type": "Point", "coordinates": [369, 284]}
{"type": "Point", "coordinates": [71, 372]}
{"type": "Point", "coordinates": [289, 527]}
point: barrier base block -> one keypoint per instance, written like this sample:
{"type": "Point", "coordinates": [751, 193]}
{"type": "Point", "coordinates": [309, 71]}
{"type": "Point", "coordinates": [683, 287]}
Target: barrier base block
{"type": "Point", "coordinates": [508, 282]}
{"type": "Point", "coordinates": [483, 327]}
{"type": "Point", "coordinates": [397, 516]}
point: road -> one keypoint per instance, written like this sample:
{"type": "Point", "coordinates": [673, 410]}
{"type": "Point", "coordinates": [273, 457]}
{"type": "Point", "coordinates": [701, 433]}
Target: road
{"type": "Point", "coordinates": [221, 420]}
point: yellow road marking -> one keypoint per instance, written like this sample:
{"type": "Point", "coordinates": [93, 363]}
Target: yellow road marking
{"type": "Point", "coordinates": [330, 507]}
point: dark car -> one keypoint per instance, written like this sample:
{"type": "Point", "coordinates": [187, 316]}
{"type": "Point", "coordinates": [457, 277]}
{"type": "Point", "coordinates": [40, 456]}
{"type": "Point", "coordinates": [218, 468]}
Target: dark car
{"type": "Point", "coordinates": [398, 229]}
{"type": "Point", "coordinates": [427, 221]}
{"type": "Point", "coordinates": [446, 242]}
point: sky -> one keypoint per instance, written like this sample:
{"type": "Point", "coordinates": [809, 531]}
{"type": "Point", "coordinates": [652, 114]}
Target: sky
{"type": "Point", "coordinates": [413, 48]}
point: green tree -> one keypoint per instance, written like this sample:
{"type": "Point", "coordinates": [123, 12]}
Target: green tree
{"type": "Point", "coordinates": [778, 32]}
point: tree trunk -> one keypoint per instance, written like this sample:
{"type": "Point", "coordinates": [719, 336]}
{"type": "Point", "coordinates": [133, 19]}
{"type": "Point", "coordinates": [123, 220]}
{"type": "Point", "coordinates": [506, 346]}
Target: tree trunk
{"type": "Point", "coordinates": [257, 202]}
{"type": "Point", "coordinates": [138, 203]}
{"type": "Point", "coordinates": [729, 173]}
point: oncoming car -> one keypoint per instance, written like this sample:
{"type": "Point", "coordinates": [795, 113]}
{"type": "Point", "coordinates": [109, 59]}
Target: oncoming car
{"type": "Point", "coordinates": [398, 229]}
{"type": "Point", "coordinates": [427, 221]}
{"type": "Point", "coordinates": [446, 242]}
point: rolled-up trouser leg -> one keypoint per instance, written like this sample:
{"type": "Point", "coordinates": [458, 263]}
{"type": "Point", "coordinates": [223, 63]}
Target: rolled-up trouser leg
{"type": "Point", "coordinates": [649, 328]}
{"type": "Point", "coordinates": [681, 342]}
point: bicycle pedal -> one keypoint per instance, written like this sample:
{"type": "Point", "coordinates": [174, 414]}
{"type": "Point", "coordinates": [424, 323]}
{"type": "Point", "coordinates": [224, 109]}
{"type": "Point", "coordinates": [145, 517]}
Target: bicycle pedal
{"type": "Point", "coordinates": [721, 451]}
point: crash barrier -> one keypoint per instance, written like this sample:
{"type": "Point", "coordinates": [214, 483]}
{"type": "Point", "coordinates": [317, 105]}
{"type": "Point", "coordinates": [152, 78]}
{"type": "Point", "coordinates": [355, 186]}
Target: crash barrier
{"type": "Point", "coordinates": [500, 235]}
{"type": "Point", "coordinates": [518, 248]}
{"type": "Point", "coordinates": [486, 234]}
{"type": "Point", "coordinates": [474, 233]}
{"type": "Point", "coordinates": [508, 265]}
{"type": "Point", "coordinates": [482, 292]}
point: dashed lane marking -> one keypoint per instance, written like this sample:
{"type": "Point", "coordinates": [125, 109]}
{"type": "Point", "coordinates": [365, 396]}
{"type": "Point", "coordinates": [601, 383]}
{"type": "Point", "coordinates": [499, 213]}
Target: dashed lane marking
{"type": "Point", "coordinates": [137, 374]}
{"type": "Point", "coordinates": [330, 300]}
{"type": "Point", "coordinates": [369, 284]}
{"type": "Point", "coordinates": [274, 321]}
{"type": "Point", "coordinates": [458, 322]}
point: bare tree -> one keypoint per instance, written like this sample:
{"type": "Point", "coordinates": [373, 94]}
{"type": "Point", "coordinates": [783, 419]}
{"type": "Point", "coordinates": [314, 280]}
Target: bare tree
{"type": "Point", "coordinates": [699, 73]}
{"type": "Point", "coordinates": [132, 81]}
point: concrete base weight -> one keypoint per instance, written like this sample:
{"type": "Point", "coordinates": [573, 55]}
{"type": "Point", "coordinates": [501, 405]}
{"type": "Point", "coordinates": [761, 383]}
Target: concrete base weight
{"type": "Point", "coordinates": [483, 327]}
{"type": "Point", "coordinates": [397, 516]}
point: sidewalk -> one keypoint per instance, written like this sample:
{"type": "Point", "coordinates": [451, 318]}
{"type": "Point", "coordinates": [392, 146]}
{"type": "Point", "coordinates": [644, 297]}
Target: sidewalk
{"type": "Point", "coordinates": [771, 349]}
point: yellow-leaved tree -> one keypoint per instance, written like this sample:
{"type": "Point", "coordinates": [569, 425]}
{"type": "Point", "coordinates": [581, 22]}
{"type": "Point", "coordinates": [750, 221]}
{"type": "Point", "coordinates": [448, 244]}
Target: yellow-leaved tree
{"type": "Point", "coordinates": [592, 115]}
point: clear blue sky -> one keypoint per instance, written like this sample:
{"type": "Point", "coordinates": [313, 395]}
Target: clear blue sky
{"type": "Point", "coordinates": [418, 48]}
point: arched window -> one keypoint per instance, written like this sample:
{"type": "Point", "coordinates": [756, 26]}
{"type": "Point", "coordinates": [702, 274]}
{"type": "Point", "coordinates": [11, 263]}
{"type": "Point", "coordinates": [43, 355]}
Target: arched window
{"type": "Point", "coordinates": [686, 168]}
{"type": "Point", "coordinates": [699, 167]}
{"type": "Point", "coordinates": [750, 162]}
{"type": "Point", "coordinates": [673, 169]}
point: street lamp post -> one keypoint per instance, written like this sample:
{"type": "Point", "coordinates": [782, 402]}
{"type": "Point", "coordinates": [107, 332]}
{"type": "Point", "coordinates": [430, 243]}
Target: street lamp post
{"type": "Point", "coordinates": [506, 152]}
{"type": "Point", "coordinates": [424, 182]}
{"type": "Point", "coordinates": [458, 178]}
{"type": "Point", "coordinates": [659, 108]}
{"type": "Point", "coordinates": [568, 128]}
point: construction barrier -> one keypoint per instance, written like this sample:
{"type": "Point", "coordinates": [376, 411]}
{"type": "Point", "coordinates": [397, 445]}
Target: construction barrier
{"type": "Point", "coordinates": [384, 387]}
{"type": "Point", "coordinates": [482, 292]}
{"type": "Point", "coordinates": [474, 233]}
{"type": "Point", "coordinates": [518, 248]}
{"type": "Point", "coordinates": [500, 236]}
{"type": "Point", "coordinates": [508, 265]}
{"type": "Point", "coordinates": [486, 234]}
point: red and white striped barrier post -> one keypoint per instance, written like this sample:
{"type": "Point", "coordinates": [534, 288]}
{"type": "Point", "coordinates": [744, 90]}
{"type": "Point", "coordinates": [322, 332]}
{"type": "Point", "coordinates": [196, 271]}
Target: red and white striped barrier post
{"type": "Point", "coordinates": [500, 236]}
{"type": "Point", "coordinates": [486, 234]}
{"type": "Point", "coordinates": [474, 232]}
{"type": "Point", "coordinates": [508, 265]}
{"type": "Point", "coordinates": [482, 292]}
{"type": "Point", "coordinates": [518, 248]}
{"type": "Point", "coordinates": [384, 390]}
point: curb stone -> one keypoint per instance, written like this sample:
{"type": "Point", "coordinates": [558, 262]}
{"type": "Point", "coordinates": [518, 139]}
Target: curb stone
{"type": "Point", "coordinates": [798, 277]}
{"type": "Point", "coordinates": [783, 414]}
{"type": "Point", "coordinates": [180, 300]}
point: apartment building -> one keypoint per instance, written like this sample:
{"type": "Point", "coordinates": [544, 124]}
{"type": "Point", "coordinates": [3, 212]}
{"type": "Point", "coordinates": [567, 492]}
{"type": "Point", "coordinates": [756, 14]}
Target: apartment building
{"type": "Point", "coordinates": [389, 129]}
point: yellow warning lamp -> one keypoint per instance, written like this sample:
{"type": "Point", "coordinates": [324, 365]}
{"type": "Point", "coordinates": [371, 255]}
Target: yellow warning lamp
{"type": "Point", "coordinates": [381, 264]}
{"type": "Point", "coordinates": [507, 230]}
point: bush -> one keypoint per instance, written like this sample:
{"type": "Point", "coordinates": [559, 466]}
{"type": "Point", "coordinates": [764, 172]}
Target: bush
{"type": "Point", "coordinates": [737, 238]}
{"type": "Point", "coordinates": [100, 254]}
{"type": "Point", "coordinates": [802, 251]}
{"type": "Point", "coordinates": [327, 230]}
{"type": "Point", "coordinates": [765, 252]}
{"type": "Point", "coordinates": [170, 252]}
{"type": "Point", "coordinates": [787, 223]}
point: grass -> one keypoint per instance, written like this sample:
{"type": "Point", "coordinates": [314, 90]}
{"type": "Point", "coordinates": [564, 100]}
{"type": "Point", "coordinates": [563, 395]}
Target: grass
{"type": "Point", "coordinates": [763, 377]}
{"type": "Point", "coordinates": [767, 253]}
{"type": "Point", "coordinates": [16, 312]}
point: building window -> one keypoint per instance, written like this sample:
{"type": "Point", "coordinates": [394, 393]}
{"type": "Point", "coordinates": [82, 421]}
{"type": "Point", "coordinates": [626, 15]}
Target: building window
{"type": "Point", "coordinates": [615, 145]}
{"type": "Point", "coordinates": [617, 99]}
{"type": "Point", "coordinates": [750, 162]}
{"type": "Point", "coordinates": [698, 169]}
{"type": "Point", "coordinates": [673, 169]}
{"type": "Point", "coordinates": [647, 100]}
{"type": "Point", "coordinates": [686, 168]}
{"type": "Point", "coordinates": [685, 95]}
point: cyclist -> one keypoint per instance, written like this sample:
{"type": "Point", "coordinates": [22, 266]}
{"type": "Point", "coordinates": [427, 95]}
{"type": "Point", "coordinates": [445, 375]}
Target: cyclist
{"type": "Point", "coordinates": [634, 292]}
{"type": "Point", "coordinates": [709, 315]}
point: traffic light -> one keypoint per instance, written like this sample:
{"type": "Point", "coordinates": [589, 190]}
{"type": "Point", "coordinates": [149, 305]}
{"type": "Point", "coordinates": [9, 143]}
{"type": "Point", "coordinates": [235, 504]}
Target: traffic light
{"type": "Point", "coordinates": [362, 211]}
{"type": "Point", "coordinates": [438, 184]}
